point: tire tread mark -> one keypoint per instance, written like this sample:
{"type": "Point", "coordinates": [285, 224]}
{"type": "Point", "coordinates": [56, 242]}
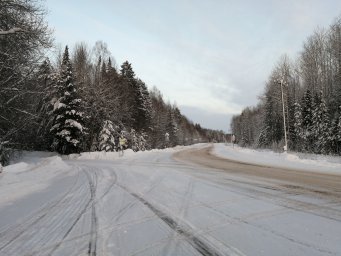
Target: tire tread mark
{"type": "Point", "coordinates": [80, 215]}
{"type": "Point", "coordinates": [202, 247]}
{"type": "Point", "coordinates": [46, 209]}
{"type": "Point", "coordinates": [93, 231]}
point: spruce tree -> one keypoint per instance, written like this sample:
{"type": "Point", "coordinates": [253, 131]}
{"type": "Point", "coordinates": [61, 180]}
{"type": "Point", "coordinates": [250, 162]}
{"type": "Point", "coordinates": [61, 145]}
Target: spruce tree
{"type": "Point", "coordinates": [143, 118]}
{"type": "Point", "coordinates": [134, 140]}
{"type": "Point", "coordinates": [143, 141]}
{"type": "Point", "coordinates": [298, 130]}
{"type": "Point", "coordinates": [106, 138]}
{"type": "Point", "coordinates": [316, 119]}
{"type": "Point", "coordinates": [171, 128]}
{"type": "Point", "coordinates": [127, 71]}
{"type": "Point", "coordinates": [111, 71]}
{"type": "Point", "coordinates": [337, 133]}
{"type": "Point", "coordinates": [272, 130]}
{"type": "Point", "coordinates": [266, 134]}
{"type": "Point", "coordinates": [324, 139]}
{"type": "Point", "coordinates": [129, 91]}
{"type": "Point", "coordinates": [68, 126]}
{"type": "Point", "coordinates": [338, 136]}
{"type": "Point", "coordinates": [139, 99]}
{"type": "Point", "coordinates": [320, 125]}
{"type": "Point", "coordinates": [334, 140]}
{"type": "Point", "coordinates": [307, 122]}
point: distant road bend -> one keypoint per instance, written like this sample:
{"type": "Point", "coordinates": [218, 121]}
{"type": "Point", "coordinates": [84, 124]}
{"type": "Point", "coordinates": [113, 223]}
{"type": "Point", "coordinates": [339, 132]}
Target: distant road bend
{"type": "Point", "coordinates": [310, 182]}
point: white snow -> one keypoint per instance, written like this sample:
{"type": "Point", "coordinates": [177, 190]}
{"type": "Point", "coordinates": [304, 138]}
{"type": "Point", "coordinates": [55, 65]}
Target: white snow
{"type": "Point", "coordinates": [71, 112]}
{"type": "Point", "coordinates": [11, 31]}
{"type": "Point", "coordinates": [58, 105]}
{"type": "Point", "coordinates": [75, 101]}
{"type": "Point", "coordinates": [74, 123]}
{"type": "Point", "coordinates": [74, 142]}
{"type": "Point", "coordinates": [128, 153]}
{"type": "Point", "coordinates": [300, 161]}
{"type": "Point", "coordinates": [146, 203]}
{"type": "Point", "coordinates": [65, 134]}
{"type": "Point", "coordinates": [34, 172]}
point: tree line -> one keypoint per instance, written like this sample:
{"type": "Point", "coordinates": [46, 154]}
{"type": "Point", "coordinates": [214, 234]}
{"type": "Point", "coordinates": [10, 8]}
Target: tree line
{"type": "Point", "coordinates": [312, 100]}
{"type": "Point", "coordinates": [79, 101]}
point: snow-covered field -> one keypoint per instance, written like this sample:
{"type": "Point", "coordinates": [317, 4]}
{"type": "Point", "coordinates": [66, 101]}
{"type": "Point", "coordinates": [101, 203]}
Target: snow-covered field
{"type": "Point", "coordinates": [147, 203]}
{"type": "Point", "coordinates": [292, 160]}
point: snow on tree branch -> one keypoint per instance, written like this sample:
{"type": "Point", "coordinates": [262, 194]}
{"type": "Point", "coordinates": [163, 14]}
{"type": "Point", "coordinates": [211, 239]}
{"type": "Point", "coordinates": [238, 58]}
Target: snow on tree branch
{"type": "Point", "coordinates": [11, 31]}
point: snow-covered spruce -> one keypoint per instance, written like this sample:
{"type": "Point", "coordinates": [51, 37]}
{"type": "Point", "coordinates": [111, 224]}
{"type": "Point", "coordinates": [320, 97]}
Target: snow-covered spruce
{"type": "Point", "coordinates": [320, 127]}
{"type": "Point", "coordinates": [298, 122]}
{"type": "Point", "coordinates": [107, 137]}
{"type": "Point", "coordinates": [68, 125]}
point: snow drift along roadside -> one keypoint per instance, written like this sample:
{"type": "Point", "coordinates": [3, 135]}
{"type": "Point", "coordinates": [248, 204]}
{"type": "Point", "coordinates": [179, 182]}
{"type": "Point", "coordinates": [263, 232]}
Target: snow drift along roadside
{"type": "Point", "coordinates": [102, 155]}
{"type": "Point", "coordinates": [33, 173]}
{"type": "Point", "coordinates": [298, 161]}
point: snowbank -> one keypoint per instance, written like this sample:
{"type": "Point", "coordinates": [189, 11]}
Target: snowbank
{"type": "Point", "coordinates": [300, 161]}
{"type": "Point", "coordinates": [102, 155]}
{"type": "Point", "coordinates": [31, 157]}
{"type": "Point", "coordinates": [32, 172]}
{"type": "Point", "coordinates": [96, 155]}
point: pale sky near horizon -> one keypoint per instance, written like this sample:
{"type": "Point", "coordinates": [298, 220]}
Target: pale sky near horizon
{"type": "Point", "coordinates": [210, 57]}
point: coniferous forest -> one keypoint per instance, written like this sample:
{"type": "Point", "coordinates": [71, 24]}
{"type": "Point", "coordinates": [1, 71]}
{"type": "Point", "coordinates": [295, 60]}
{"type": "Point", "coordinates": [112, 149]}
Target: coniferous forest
{"type": "Point", "coordinates": [77, 100]}
{"type": "Point", "coordinates": [312, 100]}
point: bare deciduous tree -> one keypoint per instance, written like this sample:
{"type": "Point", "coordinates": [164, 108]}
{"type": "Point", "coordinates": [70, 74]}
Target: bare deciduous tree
{"type": "Point", "coordinates": [24, 35]}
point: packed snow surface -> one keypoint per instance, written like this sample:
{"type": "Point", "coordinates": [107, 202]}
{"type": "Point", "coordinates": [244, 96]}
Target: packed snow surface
{"type": "Point", "coordinates": [147, 203]}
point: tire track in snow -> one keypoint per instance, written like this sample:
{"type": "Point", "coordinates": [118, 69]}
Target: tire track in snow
{"type": "Point", "coordinates": [93, 238]}
{"type": "Point", "coordinates": [86, 211]}
{"type": "Point", "coordinates": [198, 244]}
{"type": "Point", "coordinates": [125, 207]}
{"type": "Point", "coordinates": [185, 205]}
{"type": "Point", "coordinates": [156, 182]}
{"type": "Point", "coordinates": [282, 201]}
{"type": "Point", "coordinates": [20, 230]}
{"type": "Point", "coordinates": [94, 224]}
{"type": "Point", "coordinates": [263, 192]}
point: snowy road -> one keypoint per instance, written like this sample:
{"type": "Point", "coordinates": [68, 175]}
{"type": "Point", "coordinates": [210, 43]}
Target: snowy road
{"type": "Point", "coordinates": [153, 204]}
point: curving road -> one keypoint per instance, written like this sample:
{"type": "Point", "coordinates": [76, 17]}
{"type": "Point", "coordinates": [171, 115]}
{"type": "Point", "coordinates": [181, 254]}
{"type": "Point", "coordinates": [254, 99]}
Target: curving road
{"type": "Point", "coordinates": [314, 182]}
{"type": "Point", "coordinates": [189, 203]}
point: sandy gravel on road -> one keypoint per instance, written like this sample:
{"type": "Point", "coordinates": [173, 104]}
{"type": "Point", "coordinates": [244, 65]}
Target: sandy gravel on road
{"type": "Point", "coordinates": [321, 183]}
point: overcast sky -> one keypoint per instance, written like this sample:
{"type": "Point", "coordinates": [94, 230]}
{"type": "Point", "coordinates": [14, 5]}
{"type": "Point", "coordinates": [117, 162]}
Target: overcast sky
{"type": "Point", "coordinates": [210, 57]}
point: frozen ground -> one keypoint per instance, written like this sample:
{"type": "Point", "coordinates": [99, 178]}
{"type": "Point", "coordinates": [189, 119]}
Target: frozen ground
{"type": "Point", "coordinates": [150, 204]}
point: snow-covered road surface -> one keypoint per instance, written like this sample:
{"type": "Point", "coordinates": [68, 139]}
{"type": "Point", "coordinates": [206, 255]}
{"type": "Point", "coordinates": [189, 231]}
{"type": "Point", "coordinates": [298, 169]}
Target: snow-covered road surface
{"type": "Point", "coordinates": [152, 204]}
